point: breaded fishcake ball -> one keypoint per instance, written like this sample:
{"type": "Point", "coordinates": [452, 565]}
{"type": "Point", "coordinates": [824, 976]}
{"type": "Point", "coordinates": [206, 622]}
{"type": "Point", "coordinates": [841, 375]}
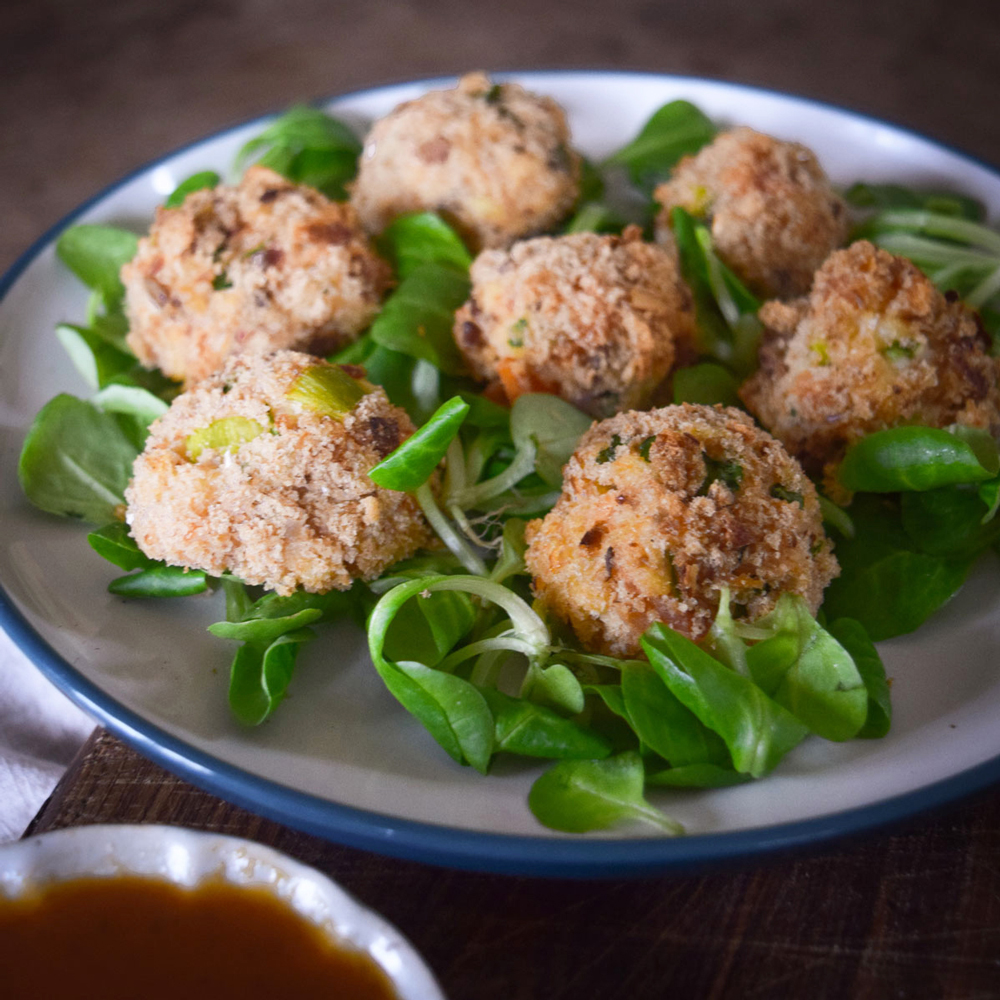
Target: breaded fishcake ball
{"type": "Point", "coordinates": [659, 511]}
{"type": "Point", "coordinates": [773, 214]}
{"type": "Point", "coordinates": [262, 265]}
{"type": "Point", "coordinates": [493, 159]}
{"type": "Point", "coordinates": [261, 470]}
{"type": "Point", "coordinates": [593, 319]}
{"type": "Point", "coordinates": [874, 345]}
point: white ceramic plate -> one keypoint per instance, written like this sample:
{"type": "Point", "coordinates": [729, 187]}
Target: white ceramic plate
{"type": "Point", "coordinates": [341, 758]}
{"type": "Point", "coordinates": [189, 859]}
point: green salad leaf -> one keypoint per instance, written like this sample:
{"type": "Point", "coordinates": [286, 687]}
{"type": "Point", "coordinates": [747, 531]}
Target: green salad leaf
{"type": "Point", "coordinates": [757, 730]}
{"type": "Point", "coordinates": [307, 146]}
{"type": "Point", "coordinates": [422, 238]}
{"type": "Point", "coordinates": [725, 310]}
{"type": "Point", "coordinates": [196, 182]}
{"type": "Point", "coordinates": [676, 129]}
{"type": "Point", "coordinates": [96, 254]}
{"type": "Point", "coordinates": [160, 580]}
{"type": "Point", "coordinates": [531, 730]}
{"type": "Point", "coordinates": [552, 427]}
{"type": "Point", "coordinates": [453, 710]}
{"type": "Point", "coordinates": [664, 724]}
{"type": "Point", "coordinates": [260, 675]}
{"type": "Point", "coordinates": [427, 629]}
{"type": "Point", "coordinates": [852, 637]}
{"type": "Point", "coordinates": [697, 776]}
{"type": "Point", "coordinates": [806, 670]}
{"type": "Point", "coordinates": [413, 462]}
{"type": "Point", "coordinates": [886, 583]}
{"type": "Point", "coordinates": [952, 522]}
{"type": "Point", "coordinates": [132, 401]}
{"type": "Point", "coordinates": [918, 458]}
{"type": "Point", "coordinates": [581, 795]}
{"type": "Point", "coordinates": [76, 461]}
{"type": "Point", "coordinates": [595, 217]}
{"type": "Point", "coordinates": [265, 630]}
{"type": "Point", "coordinates": [554, 685]}
{"type": "Point", "coordinates": [93, 357]}
{"type": "Point", "coordinates": [544, 431]}
{"type": "Point", "coordinates": [114, 543]}
{"type": "Point", "coordinates": [417, 317]}
{"type": "Point", "coordinates": [707, 383]}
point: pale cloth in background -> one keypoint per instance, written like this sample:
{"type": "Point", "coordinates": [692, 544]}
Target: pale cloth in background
{"type": "Point", "coordinates": [40, 732]}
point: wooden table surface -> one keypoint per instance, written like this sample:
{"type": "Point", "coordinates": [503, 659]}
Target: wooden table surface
{"type": "Point", "coordinates": [92, 91]}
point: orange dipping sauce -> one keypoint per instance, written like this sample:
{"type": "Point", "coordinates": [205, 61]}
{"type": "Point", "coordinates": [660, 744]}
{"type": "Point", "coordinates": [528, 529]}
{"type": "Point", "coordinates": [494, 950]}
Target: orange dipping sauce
{"type": "Point", "coordinates": [143, 939]}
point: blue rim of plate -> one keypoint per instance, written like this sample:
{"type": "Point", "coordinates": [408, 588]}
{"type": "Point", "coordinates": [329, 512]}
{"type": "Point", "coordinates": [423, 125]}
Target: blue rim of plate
{"type": "Point", "coordinates": [451, 846]}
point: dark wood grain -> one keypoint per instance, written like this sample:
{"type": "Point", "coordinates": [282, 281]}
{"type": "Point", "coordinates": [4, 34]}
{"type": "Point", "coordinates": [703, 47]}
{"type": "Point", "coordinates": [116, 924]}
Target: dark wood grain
{"type": "Point", "coordinates": [912, 913]}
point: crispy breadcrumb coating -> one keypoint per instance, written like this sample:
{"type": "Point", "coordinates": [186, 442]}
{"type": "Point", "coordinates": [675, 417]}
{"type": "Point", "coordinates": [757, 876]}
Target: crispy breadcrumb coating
{"type": "Point", "coordinates": [593, 319]}
{"type": "Point", "coordinates": [262, 265]}
{"type": "Point", "coordinates": [659, 511]}
{"type": "Point", "coordinates": [493, 159]}
{"type": "Point", "coordinates": [773, 214]}
{"type": "Point", "coordinates": [874, 345]}
{"type": "Point", "coordinates": [290, 507]}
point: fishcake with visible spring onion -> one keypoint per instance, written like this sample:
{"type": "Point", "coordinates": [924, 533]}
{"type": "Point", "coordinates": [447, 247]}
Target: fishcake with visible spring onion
{"type": "Point", "coordinates": [261, 470]}
{"type": "Point", "coordinates": [597, 320]}
{"type": "Point", "coordinates": [773, 215]}
{"type": "Point", "coordinates": [492, 158]}
{"type": "Point", "coordinates": [662, 510]}
{"type": "Point", "coordinates": [254, 267]}
{"type": "Point", "coordinates": [874, 345]}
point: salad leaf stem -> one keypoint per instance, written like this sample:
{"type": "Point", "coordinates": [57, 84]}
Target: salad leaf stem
{"type": "Point", "coordinates": [724, 299]}
{"type": "Point", "coordinates": [933, 252]}
{"type": "Point", "coordinates": [508, 642]}
{"type": "Point", "coordinates": [985, 290]}
{"type": "Point", "coordinates": [938, 224]}
{"type": "Point", "coordinates": [526, 622]}
{"type": "Point", "coordinates": [447, 533]}
{"type": "Point", "coordinates": [473, 496]}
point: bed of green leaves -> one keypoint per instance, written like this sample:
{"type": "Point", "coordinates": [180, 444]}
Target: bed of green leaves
{"type": "Point", "coordinates": [453, 633]}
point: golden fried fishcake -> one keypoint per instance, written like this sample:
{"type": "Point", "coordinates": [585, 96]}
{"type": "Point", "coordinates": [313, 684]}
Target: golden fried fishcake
{"type": "Point", "coordinates": [773, 214]}
{"type": "Point", "coordinates": [659, 511]}
{"type": "Point", "coordinates": [262, 265]}
{"type": "Point", "coordinates": [593, 319]}
{"type": "Point", "coordinates": [874, 345]}
{"type": "Point", "coordinates": [493, 159]}
{"type": "Point", "coordinates": [239, 477]}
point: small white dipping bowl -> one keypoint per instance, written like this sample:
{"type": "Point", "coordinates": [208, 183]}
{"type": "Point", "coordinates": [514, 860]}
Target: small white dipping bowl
{"type": "Point", "coordinates": [188, 859]}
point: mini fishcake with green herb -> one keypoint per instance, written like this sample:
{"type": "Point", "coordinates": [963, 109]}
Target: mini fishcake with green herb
{"type": "Point", "coordinates": [874, 345]}
{"type": "Point", "coordinates": [493, 159]}
{"type": "Point", "coordinates": [261, 470]}
{"type": "Point", "coordinates": [594, 319]}
{"type": "Point", "coordinates": [662, 510]}
{"type": "Point", "coordinates": [262, 265]}
{"type": "Point", "coordinates": [774, 216]}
